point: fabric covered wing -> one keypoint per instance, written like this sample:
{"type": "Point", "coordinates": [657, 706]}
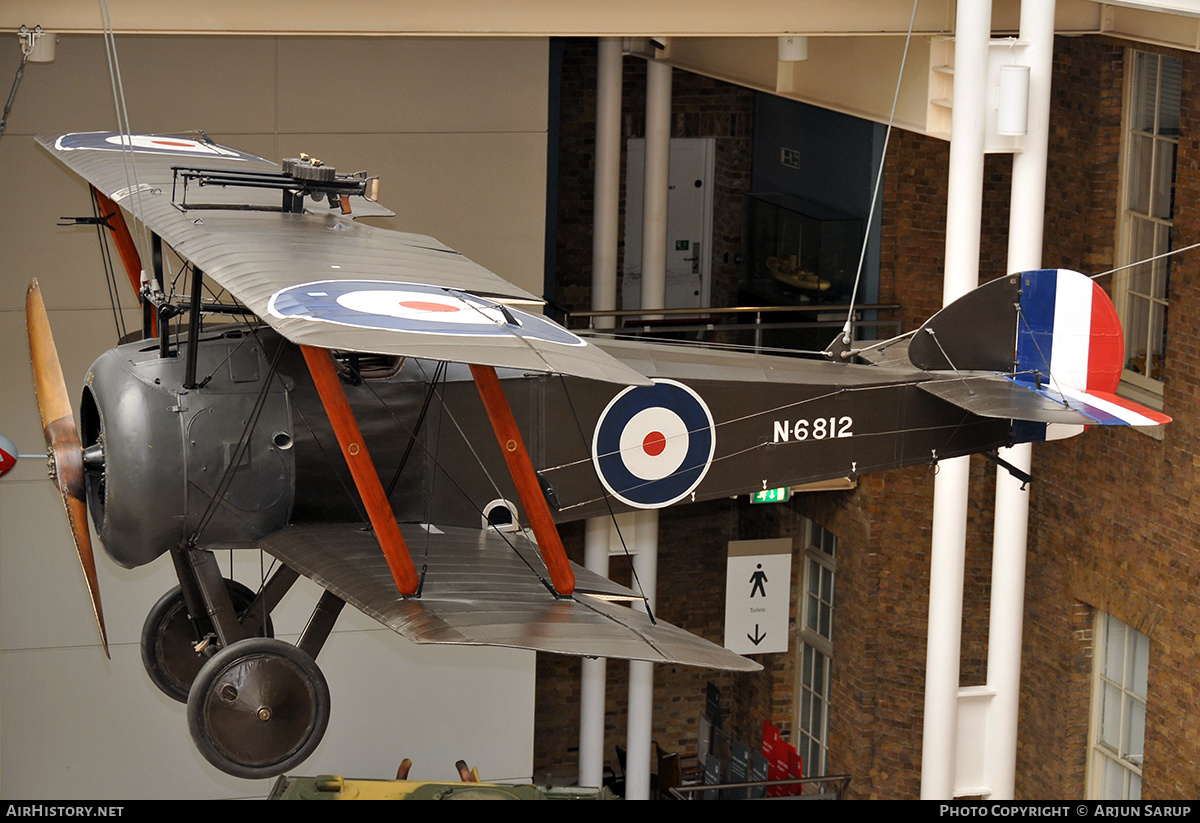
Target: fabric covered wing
{"type": "Point", "coordinates": [479, 591]}
{"type": "Point", "coordinates": [322, 279]}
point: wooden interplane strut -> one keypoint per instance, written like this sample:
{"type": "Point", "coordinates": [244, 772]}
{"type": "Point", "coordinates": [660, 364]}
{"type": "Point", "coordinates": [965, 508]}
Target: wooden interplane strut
{"type": "Point", "coordinates": [121, 236]}
{"type": "Point", "coordinates": [354, 449]}
{"type": "Point", "coordinates": [528, 487]}
{"type": "Point", "coordinates": [126, 248]}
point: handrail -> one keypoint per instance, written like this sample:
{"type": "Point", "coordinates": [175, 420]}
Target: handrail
{"type": "Point", "coordinates": [710, 319]}
{"type": "Point", "coordinates": [731, 310]}
{"type": "Point", "coordinates": [840, 783]}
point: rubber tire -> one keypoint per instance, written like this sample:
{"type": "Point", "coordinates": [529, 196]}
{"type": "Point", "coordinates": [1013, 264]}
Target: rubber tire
{"type": "Point", "coordinates": [168, 639]}
{"type": "Point", "coordinates": [236, 685]}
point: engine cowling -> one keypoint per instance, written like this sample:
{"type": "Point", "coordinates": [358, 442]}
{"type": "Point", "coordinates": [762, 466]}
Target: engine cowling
{"type": "Point", "coordinates": [158, 455]}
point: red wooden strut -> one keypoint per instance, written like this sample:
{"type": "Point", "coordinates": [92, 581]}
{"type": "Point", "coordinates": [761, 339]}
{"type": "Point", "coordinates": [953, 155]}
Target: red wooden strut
{"type": "Point", "coordinates": [130, 258]}
{"type": "Point", "coordinates": [349, 436]}
{"type": "Point", "coordinates": [521, 469]}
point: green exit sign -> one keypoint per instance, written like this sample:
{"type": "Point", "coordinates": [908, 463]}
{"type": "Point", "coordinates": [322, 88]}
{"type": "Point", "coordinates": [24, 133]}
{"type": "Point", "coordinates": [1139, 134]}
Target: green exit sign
{"type": "Point", "coordinates": [780, 495]}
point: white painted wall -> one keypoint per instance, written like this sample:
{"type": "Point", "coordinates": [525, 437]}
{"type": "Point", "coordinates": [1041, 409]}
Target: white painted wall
{"type": "Point", "coordinates": [457, 129]}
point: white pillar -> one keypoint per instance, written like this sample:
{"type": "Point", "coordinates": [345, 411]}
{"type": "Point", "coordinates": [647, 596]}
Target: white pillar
{"type": "Point", "coordinates": [964, 208]}
{"type": "Point", "coordinates": [599, 532]}
{"type": "Point", "coordinates": [657, 171]}
{"type": "Point", "coordinates": [638, 757]}
{"type": "Point", "coordinates": [1005, 623]}
{"type": "Point", "coordinates": [593, 672]}
{"type": "Point", "coordinates": [607, 203]}
{"type": "Point", "coordinates": [945, 629]}
{"type": "Point", "coordinates": [654, 288]}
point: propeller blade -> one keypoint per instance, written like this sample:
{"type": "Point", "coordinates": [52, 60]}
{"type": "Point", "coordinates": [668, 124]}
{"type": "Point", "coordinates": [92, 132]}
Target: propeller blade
{"type": "Point", "coordinates": [62, 439]}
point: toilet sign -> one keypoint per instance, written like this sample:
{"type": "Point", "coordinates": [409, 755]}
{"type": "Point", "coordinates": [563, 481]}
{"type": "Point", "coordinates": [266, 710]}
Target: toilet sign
{"type": "Point", "coordinates": [758, 586]}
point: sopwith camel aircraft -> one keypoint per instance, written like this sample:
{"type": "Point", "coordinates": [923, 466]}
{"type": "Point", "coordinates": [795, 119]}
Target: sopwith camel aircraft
{"type": "Point", "coordinates": [369, 407]}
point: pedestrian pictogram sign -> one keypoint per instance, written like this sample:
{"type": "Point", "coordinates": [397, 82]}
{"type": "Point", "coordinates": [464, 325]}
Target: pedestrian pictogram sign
{"type": "Point", "coordinates": [758, 595]}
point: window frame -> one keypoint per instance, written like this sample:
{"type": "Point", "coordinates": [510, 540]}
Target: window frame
{"type": "Point", "coordinates": [1103, 757]}
{"type": "Point", "coordinates": [1137, 386]}
{"type": "Point", "coordinates": [820, 551]}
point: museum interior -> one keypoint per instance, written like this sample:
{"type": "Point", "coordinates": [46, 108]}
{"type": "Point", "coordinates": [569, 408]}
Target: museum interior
{"type": "Point", "coordinates": [810, 149]}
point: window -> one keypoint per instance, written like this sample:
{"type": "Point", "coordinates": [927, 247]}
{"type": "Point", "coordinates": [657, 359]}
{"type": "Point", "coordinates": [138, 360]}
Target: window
{"type": "Point", "coordinates": [1118, 729]}
{"type": "Point", "coordinates": [815, 649]}
{"type": "Point", "coordinates": [1151, 142]}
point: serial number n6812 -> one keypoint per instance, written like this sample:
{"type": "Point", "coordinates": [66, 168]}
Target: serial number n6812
{"type": "Point", "coordinates": [822, 428]}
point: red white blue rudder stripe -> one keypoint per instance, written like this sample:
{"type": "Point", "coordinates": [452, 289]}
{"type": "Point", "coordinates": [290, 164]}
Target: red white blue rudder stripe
{"type": "Point", "coordinates": [654, 444]}
{"type": "Point", "coordinates": [1070, 348]}
{"type": "Point", "coordinates": [1068, 334]}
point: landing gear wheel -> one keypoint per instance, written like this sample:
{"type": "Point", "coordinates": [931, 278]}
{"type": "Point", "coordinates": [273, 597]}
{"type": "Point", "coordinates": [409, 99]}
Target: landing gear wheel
{"type": "Point", "coordinates": [169, 640]}
{"type": "Point", "coordinates": [258, 708]}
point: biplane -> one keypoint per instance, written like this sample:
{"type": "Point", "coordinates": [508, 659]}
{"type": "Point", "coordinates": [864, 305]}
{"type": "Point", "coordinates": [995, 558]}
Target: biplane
{"type": "Point", "coordinates": [322, 390]}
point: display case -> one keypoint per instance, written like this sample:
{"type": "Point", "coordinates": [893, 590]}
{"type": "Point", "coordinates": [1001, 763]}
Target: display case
{"type": "Point", "coordinates": [795, 251]}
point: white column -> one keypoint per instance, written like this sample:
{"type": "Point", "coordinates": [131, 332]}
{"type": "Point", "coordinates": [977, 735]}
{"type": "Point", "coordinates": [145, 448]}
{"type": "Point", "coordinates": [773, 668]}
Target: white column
{"type": "Point", "coordinates": [638, 757]}
{"type": "Point", "coordinates": [593, 672]}
{"type": "Point", "coordinates": [654, 289]}
{"type": "Point", "coordinates": [657, 170]}
{"type": "Point", "coordinates": [607, 204]}
{"type": "Point", "coordinates": [599, 532]}
{"type": "Point", "coordinates": [945, 629]}
{"type": "Point", "coordinates": [1027, 210]}
{"type": "Point", "coordinates": [964, 207]}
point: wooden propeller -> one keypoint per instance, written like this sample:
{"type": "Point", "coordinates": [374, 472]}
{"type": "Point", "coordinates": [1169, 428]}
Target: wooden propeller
{"type": "Point", "coordinates": [62, 439]}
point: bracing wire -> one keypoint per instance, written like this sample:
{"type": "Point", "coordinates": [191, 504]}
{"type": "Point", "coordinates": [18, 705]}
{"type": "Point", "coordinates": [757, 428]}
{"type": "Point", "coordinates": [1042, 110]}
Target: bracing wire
{"type": "Point", "coordinates": [444, 410]}
{"type": "Point", "coordinates": [110, 277]}
{"type": "Point", "coordinates": [847, 329]}
{"type": "Point", "coordinates": [608, 504]}
{"type": "Point", "coordinates": [12, 95]}
{"type": "Point", "coordinates": [239, 452]}
{"type": "Point", "coordinates": [1146, 260]}
{"type": "Point", "coordinates": [127, 154]}
{"type": "Point", "coordinates": [438, 374]}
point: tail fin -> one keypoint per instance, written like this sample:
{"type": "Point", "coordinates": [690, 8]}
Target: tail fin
{"type": "Point", "coordinates": [1068, 333]}
{"type": "Point", "coordinates": [1051, 332]}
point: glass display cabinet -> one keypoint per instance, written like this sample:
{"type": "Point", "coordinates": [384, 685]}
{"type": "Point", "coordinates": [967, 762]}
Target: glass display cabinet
{"type": "Point", "coordinates": [796, 252]}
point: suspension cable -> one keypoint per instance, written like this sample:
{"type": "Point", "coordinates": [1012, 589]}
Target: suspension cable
{"type": "Point", "coordinates": [127, 153]}
{"type": "Point", "coordinates": [846, 330]}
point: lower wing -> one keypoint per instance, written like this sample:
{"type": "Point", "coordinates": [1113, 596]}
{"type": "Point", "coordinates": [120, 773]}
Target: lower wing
{"type": "Point", "coordinates": [478, 589]}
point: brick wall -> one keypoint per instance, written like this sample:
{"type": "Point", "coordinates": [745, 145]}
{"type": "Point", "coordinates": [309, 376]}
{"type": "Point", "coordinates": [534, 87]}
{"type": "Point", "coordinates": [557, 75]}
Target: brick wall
{"type": "Point", "coordinates": [1112, 523]}
{"type": "Point", "coordinates": [701, 107]}
{"type": "Point", "coordinates": [691, 594]}
{"type": "Point", "coordinates": [1114, 528]}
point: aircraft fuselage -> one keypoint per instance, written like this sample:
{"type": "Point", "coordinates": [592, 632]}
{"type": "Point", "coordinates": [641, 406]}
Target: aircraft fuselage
{"type": "Point", "coordinates": [254, 437]}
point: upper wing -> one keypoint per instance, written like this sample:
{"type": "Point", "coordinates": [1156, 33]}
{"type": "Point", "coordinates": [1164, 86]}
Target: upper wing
{"type": "Point", "coordinates": [318, 277]}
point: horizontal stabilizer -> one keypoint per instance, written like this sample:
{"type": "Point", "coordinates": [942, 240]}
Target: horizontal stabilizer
{"type": "Point", "coordinates": [480, 591]}
{"type": "Point", "coordinates": [1052, 341]}
{"type": "Point", "coordinates": [1001, 397]}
